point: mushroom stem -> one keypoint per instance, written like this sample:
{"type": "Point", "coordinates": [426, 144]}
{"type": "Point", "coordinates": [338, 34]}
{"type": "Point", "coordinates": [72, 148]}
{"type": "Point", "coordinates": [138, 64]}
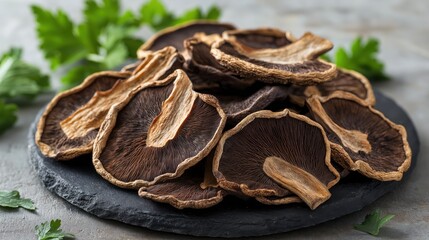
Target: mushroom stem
{"type": "Point", "coordinates": [307, 47]}
{"type": "Point", "coordinates": [92, 114]}
{"type": "Point", "coordinates": [352, 139]}
{"type": "Point", "coordinates": [306, 186]}
{"type": "Point", "coordinates": [175, 109]}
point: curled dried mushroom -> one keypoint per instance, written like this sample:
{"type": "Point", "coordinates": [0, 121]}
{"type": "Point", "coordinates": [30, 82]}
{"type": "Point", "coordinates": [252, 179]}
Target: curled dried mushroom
{"type": "Point", "coordinates": [296, 62]}
{"type": "Point", "coordinates": [175, 36]}
{"type": "Point", "coordinates": [362, 138]}
{"type": "Point", "coordinates": [209, 111]}
{"type": "Point", "coordinates": [71, 121]}
{"type": "Point", "coordinates": [276, 158]}
{"type": "Point", "coordinates": [157, 134]}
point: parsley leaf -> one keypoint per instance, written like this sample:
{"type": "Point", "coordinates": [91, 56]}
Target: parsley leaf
{"type": "Point", "coordinates": [105, 37]}
{"type": "Point", "coordinates": [13, 200]}
{"type": "Point", "coordinates": [51, 230]}
{"type": "Point", "coordinates": [57, 39]}
{"type": "Point", "coordinates": [7, 116]}
{"type": "Point", "coordinates": [154, 14]}
{"type": "Point", "coordinates": [361, 58]}
{"type": "Point", "coordinates": [373, 222]}
{"type": "Point", "coordinates": [20, 81]}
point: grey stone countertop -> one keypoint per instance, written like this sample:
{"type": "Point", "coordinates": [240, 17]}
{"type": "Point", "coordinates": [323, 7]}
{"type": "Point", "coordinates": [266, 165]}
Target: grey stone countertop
{"type": "Point", "coordinates": [401, 26]}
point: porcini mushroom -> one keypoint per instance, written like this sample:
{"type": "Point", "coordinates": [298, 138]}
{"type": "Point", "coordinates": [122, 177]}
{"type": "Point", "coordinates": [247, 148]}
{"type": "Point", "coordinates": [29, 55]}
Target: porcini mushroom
{"type": "Point", "coordinates": [238, 107]}
{"type": "Point", "coordinates": [292, 63]}
{"type": "Point", "coordinates": [345, 81]}
{"type": "Point", "coordinates": [206, 74]}
{"type": "Point", "coordinates": [70, 130]}
{"type": "Point", "coordinates": [191, 190]}
{"type": "Point", "coordinates": [362, 138]}
{"type": "Point", "coordinates": [176, 35]}
{"type": "Point", "coordinates": [50, 138]}
{"type": "Point", "coordinates": [273, 154]}
{"type": "Point", "coordinates": [157, 134]}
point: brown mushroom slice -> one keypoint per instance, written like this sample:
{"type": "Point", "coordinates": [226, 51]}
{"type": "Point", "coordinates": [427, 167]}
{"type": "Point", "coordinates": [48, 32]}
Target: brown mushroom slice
{"type": "Point", "coordinates": [362, 138]}
{"type": "Point", "coordinates": [79, 128]}
{"type": "Point", "coordinates": [188, 191]}
{"type": "Point", "coordinates": [273, 154]}
{"type": "Point", "coordinates": [260, 38]}
{"type": "Point", "coordinates": [346, 81]}
{"type": "Point", "coordinates": [157, 134]}
{"type": "Point", "coordinates": [239, 107]}
{"type": "Point", "coordinates": [295, 63]}
{"type": "Point", "coordinates": [50, 138]}
{"type": "Point", "coordinates": [175, 36]}
{"type": "Point", "coordinates": [206, 74]}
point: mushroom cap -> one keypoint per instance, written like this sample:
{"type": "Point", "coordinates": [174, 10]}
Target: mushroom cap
{"type": "Point", "coordinates": [345, 81]}
{"type": "Point", "coordinates": [78, 129]}
{"type": "Point", "coordinates": [157, 134]}
{"type": "Point", "coordinates": [206, 74]}
{"type": "Point", "coordinates": [175, 36]}
{"type": "Point", "coordinates": [295, 63]}
{"type": "Point", "coordinates": [261, 38]}
{"type": "Point", "coordinates": [238, 107]}
{"type": "Point", "coordinates": [242, 153]}
{"type": "Point", "coordinates": [362, 138]}
{"type": "Point", "coordinates": [50, 138]}
{"type": "Point", "coordinates": [187, 191]}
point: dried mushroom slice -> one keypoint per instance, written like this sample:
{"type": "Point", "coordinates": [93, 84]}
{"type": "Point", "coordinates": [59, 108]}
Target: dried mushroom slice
{"type": "Point", "coordinates": [295, 63]}
{"type": "Point", "coordinates": [362, 138]}
{"type": "Point", "coordinates": [157, 134]}
{"type": "Point", "coordinates": [346, 81]}
{"type": "Point", "coordinates": [72, 132]}
{"type": "Point", "coordinates": [174, 36]}
{"type": "Point", "coordinates": [206, 74]}
{"type": "Point", "coordinates": [50, 138]}
{"type": "Point", "coordinates": [262, 38]}
{"type": "Point", "coordinates": [238, 107]}
{"type": "Point", "coordinates": [270, 155]}
{"type": "Point", "coordinates": [189, 190]}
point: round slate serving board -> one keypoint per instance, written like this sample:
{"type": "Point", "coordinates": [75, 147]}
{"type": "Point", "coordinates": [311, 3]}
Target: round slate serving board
{"type": "Point", "coordinates": [78, 183]}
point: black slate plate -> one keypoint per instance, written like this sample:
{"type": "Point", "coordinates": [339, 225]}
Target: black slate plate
{"type": "Point", "coordinates": [78, 183]}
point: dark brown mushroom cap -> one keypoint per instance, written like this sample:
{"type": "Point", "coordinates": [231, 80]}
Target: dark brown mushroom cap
{"type": "Point", "coordinates": [157, 134]}
{"type": "Point", "coordinates": [175, 36]}
{"type": "Point", "coordinates": [362, 138]}
{"type": "Point", "coordinates": [50, 138]}
{"type": "Point", "coordinates": [346, 81]}
{"type": "Point", "coordinates": [73, 135]}
{"type": "Point", "coordinates": [206, 74]}
{"type": "Point", "coordinates": [238, 107]}
{"type": "Point", "coordinates": [187, 191]}
{"type": "Point", "coordinates": [260, 38]}
{"type": "Point", "coordinates": [295, 63]}
{"type": "Point", "coordinates": [256, 155]}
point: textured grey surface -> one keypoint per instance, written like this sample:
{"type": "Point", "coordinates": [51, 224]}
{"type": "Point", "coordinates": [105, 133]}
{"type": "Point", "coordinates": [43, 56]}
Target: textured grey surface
{"type": "Point", "coordinates": [402, 27]}
{"type": "Point", "coordinates": [78, 183]}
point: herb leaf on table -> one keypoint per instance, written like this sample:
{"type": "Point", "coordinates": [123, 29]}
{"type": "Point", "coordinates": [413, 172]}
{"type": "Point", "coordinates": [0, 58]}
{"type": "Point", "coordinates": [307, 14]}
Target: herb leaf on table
{"type": "Point", "coordinates": [51, 230]}
{"type": "Point", "coordinates": [373, 222]}
{"type": "Point", "coordinates": [13, 199]}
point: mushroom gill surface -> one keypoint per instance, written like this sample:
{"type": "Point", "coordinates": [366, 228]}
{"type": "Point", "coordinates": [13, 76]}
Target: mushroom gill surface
{"type": "Point", "coordinates": [50, 138]}
{"type": "Point", "coordinates": [187, 191]}
{"type": "Point", "coordinates": [246, 154]}
{"type": "Point", "coordinates": [157, 134]}
{"type": "Point", "coordinates": [362, 138]}
{"type": "Point", "coordinates": [176, 35]}
{"type": "Point", "coordinates": [293, 63]}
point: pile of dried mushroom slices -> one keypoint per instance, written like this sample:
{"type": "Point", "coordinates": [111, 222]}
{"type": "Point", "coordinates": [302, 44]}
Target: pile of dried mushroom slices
{"type": "Point", "coordinates": [210, 110]}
